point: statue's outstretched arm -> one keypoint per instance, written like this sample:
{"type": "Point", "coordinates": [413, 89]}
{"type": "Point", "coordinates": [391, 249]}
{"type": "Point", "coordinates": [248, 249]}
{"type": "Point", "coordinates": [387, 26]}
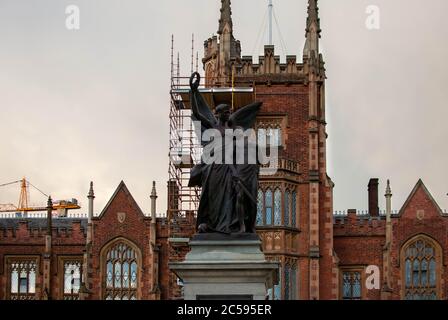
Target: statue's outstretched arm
{"type": "Point", "coordinates": [201, 111]}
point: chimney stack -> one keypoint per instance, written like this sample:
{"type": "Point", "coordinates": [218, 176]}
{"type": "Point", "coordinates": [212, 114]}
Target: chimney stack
{"type": "Point", "coordinates": [374, 210]}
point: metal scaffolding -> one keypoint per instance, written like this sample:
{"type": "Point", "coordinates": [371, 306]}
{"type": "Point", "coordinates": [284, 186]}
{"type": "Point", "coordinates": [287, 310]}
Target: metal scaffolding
{"type": "Point", "coordinates": [185, 147]}
{"type": "Point", "coordinates": [185, 152]}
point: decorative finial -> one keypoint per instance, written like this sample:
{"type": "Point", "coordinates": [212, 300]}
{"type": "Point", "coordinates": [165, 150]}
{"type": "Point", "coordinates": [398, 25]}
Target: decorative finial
{"type": "Point", "coordinates": [313, 15]}
{"type": "Point", "coordinates": [388, 189]}
{"type": "Point", "coordinates": [91, 193]}
{"type": "Point", "coordinates": [154, 191]}
{"type": "Point", "coordinates": [312, 29]}
{"type": "Point", "coordinates": [49, 203]}
{"type": "Point", "coordinates": [49, 216]}
{"type": "Point", "coordinates": [226, 16]}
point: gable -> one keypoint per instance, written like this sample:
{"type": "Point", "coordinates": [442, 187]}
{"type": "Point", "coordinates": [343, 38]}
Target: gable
{"type": "Point", "coordinates": [420, 204]}
{"type": "Point", "coordinates": [121, 201]}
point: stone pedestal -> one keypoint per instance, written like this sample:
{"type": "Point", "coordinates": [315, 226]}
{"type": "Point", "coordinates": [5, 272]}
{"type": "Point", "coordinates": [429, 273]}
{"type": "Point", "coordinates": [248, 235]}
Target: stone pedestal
{"type": "Point", "coordinates": [226, 267]}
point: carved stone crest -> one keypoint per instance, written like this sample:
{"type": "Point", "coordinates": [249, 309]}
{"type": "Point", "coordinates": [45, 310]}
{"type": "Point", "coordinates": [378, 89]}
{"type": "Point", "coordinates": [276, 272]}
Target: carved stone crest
{"type": "Point", "coordinates": [420, 214]}
{"type": "Point", "coordinates": [121, 216]}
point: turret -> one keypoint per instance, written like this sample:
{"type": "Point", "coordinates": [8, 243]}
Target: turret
{"type": "Point", "coordinates": [221, 53]}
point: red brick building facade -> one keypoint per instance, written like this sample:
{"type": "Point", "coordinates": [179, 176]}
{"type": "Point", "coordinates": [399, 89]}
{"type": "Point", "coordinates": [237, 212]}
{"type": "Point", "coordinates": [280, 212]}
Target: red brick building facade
{"type": "Point", "coordinates": [122, 253]}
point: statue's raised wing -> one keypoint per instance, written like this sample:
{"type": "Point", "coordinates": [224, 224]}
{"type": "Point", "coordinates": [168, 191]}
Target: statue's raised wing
{"type": "Point", "coordinates": [201, 112]}
{"type": "Point", "coordinates": [246, 116]}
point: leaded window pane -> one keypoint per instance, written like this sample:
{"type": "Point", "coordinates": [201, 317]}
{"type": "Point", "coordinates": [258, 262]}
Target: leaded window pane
{"type": "Point", "coordinates": [121, 273]}
{"type": "Point", "coordinates": [415, 273]}
{"type": "Point", "coordinates": [424, 273]}
{"type": "Point", "coordinates": [420, 271]}
{"type": "Point", "coordinates": [294, 209]}
{"type": "Point", "coordinates": [14, 281]}
{"type": "Point", "coordinates": [260, 208]}
{"type": "Point", "coordinates": [287, 208]}
{"type": "Point", "coordinates": [293, 283]}
{"type": "Point", "coordinates": [351, 285]}
{"type": "Point", "coordinates": [432, 272]}
{"type": "Point", "coordinates": [347, 286]}
{"type": "Point", "coordinates": [269, 294]}
{"type": "Point", "coordinates": [268, 206]}
{"type": "Point", "coordinates": [287, 284]}
{"type": "Point", "coordinates": [32, 281]}
{"type": "Point", "coordinates": [408, 273]}
{"type": "Point", "coordinates": [67, 282]}
{"type": "Point", "coordinates": [117, 269]}
{"type": "Point", "coordinates": [278, 287]}
{"type": "Point", "coordinates": [23, 285]}
{"type": "Point", "coordinates": [109, 275]}
{"type": "Point", "coordinates": [278, 207]}
{"type": "Point", "coordinates": [126, 275]}
{"type": "Point", "coordinates": [134, 275]}
{"type": "Point", "coordinates": [72, 279]}
{"type": "Point", "coordinates": [357, 285]}
{"type": "Point", "coordinates": [23, 279]}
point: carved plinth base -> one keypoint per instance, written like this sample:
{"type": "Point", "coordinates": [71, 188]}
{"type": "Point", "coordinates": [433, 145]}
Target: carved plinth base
{"type": "Point", "coordinates": [222, 267]}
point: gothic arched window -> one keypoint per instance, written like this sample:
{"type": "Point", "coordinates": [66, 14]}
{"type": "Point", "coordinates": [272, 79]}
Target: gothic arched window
{"type": "Point", "coordinates": [351, 285]}
{"type": "Point", "coordinates": [268, 206]}
{"type": "Point", "coordinates": [121, 276]}
{"type": "Point", "coordinates": [287, 282]}
{"type": "Point", "coordinates": [72, 279]}
{"type": "Point", "coordinates": [260, 207]}
{"type": "Point", "coordinates": [294, 209]}
{"type": "Point", "coordinates": [287, 207]}
{"type": "Point", "coordinates": [421, 270]}
{"type": "Point", "coordinates": [278, 287]}
{"type": "Point", "coordinates": [277, 207]}
{"type": "Point", "coordinates": [293, 295]}
{"type": "Point", "coordinates": [290, 282]}
{"type": "Point", "coordinates": [22, 274]}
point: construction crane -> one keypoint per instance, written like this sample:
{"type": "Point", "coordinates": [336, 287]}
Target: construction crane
{"type": "Point", "coordinates": [24, 201]}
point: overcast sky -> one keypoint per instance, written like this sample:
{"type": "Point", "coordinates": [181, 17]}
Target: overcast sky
{"type": "Point", "coordinates": [93, 104]}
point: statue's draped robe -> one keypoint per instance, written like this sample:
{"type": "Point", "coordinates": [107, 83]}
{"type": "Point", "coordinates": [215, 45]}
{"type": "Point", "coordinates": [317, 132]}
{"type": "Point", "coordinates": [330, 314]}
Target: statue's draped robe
{"type": "Point", "coordinates": [224, 198]}
{"type": "Point", "coordinates": [229, 191]}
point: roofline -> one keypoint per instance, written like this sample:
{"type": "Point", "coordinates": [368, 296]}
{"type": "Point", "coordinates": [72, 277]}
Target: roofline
{"type": "Point", "coordinates": [123, 186]}
{"type": "Point", "coordinates": [411, 195]}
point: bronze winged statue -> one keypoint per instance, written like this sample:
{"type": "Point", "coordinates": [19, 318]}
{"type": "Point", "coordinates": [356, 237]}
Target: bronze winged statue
{"type": "Point", "coordinates": [229, 190]}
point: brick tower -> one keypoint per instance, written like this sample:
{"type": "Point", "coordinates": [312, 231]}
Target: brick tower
{"type": "Point", "coordinates": [295, 205]}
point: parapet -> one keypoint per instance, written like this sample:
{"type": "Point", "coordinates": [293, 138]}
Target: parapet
{"type": "Point", "coordinates": [354, 223]}
{"type": "Point", "coordinates": [270, 64]}
{"type": "Point", "coordinates": [14, 228]}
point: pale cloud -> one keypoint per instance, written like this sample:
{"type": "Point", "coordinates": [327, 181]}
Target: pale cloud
{"type": "Point", "coordinates": [93, 104]}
